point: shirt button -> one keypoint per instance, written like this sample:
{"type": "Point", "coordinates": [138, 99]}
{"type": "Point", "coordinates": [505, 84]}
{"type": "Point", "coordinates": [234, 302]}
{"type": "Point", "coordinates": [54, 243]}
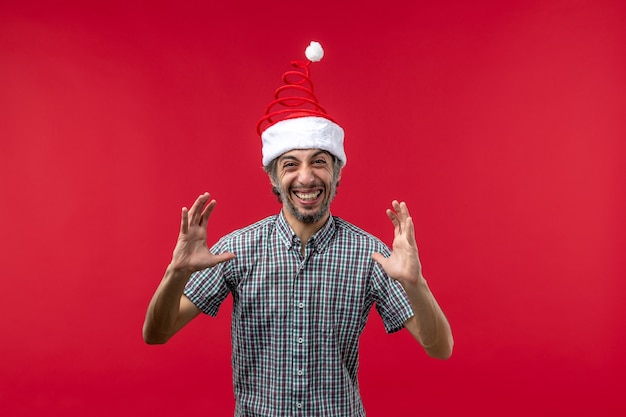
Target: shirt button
{"type": "Point", "coordinates": [299, 405]}
{"type": "Point", "coordinates": [300, 372]}
{"type": "Point", "coordinates": [300, 340]}
{"type": "Point", "coordinates": [301, 305]}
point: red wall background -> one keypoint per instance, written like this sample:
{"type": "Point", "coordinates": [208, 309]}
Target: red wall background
{"type": "Point", "coordinates": [500, 123]}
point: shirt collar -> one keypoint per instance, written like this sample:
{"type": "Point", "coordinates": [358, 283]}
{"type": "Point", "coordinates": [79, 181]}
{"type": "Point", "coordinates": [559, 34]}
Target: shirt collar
{"type": "Point", "coordinates": [321, 239]}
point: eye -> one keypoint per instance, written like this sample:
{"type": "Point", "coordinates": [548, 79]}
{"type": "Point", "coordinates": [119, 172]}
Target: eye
{"type": "Point", "coordinates": [320, 161]}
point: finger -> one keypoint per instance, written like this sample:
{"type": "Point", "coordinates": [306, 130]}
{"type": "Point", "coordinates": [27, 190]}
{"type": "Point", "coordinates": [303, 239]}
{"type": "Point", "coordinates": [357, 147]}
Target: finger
{"type": "Point", "coordinates": [402, 209]}
{"type": "Point", "coordinates": [206, 213]}
{"type": "Point", "coordinates": [393, 217]}
{"type": "Point", "coordinates": [405, 208]}
{"type": "Point", "coordinates": [410, 230]}
{"type": "Point", "coordinates": [396, 206]}
{"type": "Point", "coordinates": [196, 208]}
{"type": "Point", "coordinates": [399, 210]}
{"type": "Point", "coordinates": [397, 224]}
{"type": "Point", "coordinates": [184, 221]}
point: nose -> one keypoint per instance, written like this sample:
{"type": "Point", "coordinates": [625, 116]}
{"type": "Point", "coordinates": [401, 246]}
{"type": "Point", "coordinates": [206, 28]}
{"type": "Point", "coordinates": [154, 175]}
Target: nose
{"type": "Point", "coordinates": [305, 175]}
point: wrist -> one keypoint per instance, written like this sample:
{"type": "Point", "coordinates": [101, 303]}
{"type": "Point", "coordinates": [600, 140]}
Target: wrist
{"type": "Point", "coordinates": [179, 271]}
{"type": "Point", "coordinates": [415, 282]}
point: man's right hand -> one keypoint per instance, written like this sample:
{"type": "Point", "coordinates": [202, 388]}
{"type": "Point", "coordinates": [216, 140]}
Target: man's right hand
{"type": "Point", "coordinates": [191, 253]}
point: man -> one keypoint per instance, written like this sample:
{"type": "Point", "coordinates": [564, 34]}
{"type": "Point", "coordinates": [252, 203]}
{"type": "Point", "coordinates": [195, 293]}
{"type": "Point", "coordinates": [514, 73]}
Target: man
{"type": "Point", "coordinates": [303, 281]}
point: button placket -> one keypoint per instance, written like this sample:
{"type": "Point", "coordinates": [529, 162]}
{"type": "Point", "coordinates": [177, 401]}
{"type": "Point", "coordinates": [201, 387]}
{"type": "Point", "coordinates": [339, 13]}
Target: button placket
{"type": "Point", "coordinates": [300, 334]}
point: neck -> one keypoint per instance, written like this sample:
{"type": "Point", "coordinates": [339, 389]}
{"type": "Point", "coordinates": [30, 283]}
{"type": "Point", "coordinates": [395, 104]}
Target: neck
{"type": "Point", "coordinates": [304, 231]}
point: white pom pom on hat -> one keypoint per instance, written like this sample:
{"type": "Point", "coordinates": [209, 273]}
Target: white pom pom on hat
{"type": "Point", "coordinates": [299, 122]}
{"type": "Point", "coordinates": [314, 52]}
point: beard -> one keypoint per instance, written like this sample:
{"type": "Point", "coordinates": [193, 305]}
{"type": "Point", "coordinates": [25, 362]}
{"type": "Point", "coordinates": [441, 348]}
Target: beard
{"type": "Point", "coordinates": [308, 218]}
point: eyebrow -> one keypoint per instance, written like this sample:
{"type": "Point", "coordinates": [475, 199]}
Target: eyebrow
{"type": "Point", "coordinates": [293, 158]}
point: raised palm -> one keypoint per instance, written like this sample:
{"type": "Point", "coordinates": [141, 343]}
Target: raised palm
{"type": "Point", "coordinates": [403, 264]}
{"type": "Point", "coordinates": [191, 252]}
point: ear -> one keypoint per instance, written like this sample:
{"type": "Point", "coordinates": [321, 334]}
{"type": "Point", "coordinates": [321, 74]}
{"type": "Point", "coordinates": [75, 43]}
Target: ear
{"type": "Point", "coordinates": [339, 174]}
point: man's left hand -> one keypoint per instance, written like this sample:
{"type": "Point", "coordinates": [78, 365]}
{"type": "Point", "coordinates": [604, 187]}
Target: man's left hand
{"type": "Point", "coordinates": [403, 264]}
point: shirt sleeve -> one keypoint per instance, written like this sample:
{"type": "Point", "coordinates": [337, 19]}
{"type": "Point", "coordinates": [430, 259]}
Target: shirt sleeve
{"type": "Point", "coordinates": [208, 289]}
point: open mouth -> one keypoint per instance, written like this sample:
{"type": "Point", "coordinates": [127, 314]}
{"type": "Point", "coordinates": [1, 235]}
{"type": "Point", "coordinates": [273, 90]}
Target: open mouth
{"type": "Point", "coordinates": [308, 196]}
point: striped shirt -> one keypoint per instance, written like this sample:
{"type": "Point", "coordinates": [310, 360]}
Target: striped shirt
{"type": "Point", "coordinates": [297, 319]}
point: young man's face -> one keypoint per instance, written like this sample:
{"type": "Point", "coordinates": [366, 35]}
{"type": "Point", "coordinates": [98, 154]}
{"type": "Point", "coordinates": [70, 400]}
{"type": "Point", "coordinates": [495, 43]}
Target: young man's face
{"type": "Point", "coordinates": [306, 183]}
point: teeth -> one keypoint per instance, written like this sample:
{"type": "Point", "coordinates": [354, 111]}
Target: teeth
{"type": "Point", "coordinates": [308, 196]}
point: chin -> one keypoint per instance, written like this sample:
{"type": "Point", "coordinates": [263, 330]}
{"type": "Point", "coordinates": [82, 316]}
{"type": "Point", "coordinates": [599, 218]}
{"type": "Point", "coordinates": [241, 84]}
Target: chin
{"type": "Point", "coordinates": [308, 217]}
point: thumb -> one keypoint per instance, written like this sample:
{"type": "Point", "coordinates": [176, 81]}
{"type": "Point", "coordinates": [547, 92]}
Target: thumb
{"type": "Point", "coordinates": [379, 257]}
{"type": "Point", "coordinates": [223, 257]}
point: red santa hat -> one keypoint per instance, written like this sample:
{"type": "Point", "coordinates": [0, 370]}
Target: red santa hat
{"type": "Point", "coordinates": [295, 119]}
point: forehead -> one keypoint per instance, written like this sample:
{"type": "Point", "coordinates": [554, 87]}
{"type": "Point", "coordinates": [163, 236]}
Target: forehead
{"type": "Point", "coordinates": [303, 154]}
